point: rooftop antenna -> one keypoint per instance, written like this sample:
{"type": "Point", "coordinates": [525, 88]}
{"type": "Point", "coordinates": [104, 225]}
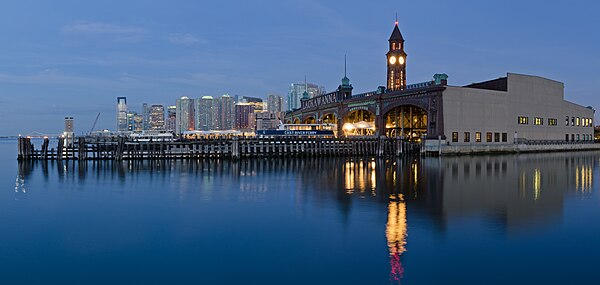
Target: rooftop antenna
{"type": "Point", "coordinates": [396, 19]}
{"type": "Point", "coordinates": [305, 84]}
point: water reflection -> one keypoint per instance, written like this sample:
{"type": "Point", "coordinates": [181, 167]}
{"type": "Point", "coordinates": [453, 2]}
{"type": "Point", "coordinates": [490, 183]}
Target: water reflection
{"type": "Point", "coordinates": [511, 192]}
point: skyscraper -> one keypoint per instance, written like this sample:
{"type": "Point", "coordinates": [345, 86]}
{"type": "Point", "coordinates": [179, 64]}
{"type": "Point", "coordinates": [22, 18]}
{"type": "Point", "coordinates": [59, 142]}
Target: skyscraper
{"type": "Point", "coordinates": [146, 116]}
{"type": "Point", "coordinates": [297, 90]}
{"type": "Point", "coordinates": [171, 121]}
{"type": "Point", "coordinates": [121, 114]}
{"type": "Point", "coordinates": [274, 104]}
{"type": "Point", "coordinates": [205, 113]}
{"type": "Point", "coordinates": [185, 115]}
{"type": "Point", "coordinates": [226, 113]}
{"type": "Point", "coordinates": [157, 118]}
{"type": "Point", "coordinates": [244, 112]}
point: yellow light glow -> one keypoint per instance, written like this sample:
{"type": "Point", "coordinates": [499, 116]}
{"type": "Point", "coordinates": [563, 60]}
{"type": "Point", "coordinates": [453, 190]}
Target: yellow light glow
{"type": "Point", "coordinates": [393, 59]}
{"type": "Point", "coordinates": [401, 60]}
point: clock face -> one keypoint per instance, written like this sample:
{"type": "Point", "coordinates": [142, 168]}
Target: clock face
{"type": "Point", "coordinates": [401, 60]}
{"type": "Point", "coordinates": [393, 59]}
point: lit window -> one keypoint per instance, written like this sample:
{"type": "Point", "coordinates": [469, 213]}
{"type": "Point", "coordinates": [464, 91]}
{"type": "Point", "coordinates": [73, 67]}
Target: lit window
{"type": "Point", "coordinates": [577, 121]}
{"type": "Point", "coordinates": [523, 120]}
{"type": "Point", "coordinates": [552, 122]}
{"type": "Point", "coordinates": [538, 121]}
{"type": "Point", "coordinates": [467, 137]}
{"type": "Point", "coordinates": [454, 136]}
{"type": "Point", "coordinates": [478, 137]}
{"type": "Point", "coordinates": [488, 137]}
{"type": "Point", "coordinates": [496, 137]}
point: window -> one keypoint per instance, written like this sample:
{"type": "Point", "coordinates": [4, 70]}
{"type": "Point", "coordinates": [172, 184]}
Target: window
{"type": "Point", "coordinates": [577, 121]}
{"type": "Point", "coordinates": [552, 122]}
{"type": "Point", "coordinates": [477, 136]}
{"type": "Point", "coordinates": [538, 121]}
{"type": "Point", "coordinates": [454, 136]}
{"type": "Point", "coordinates": [584, 122]}
{"type": "Point", "coordinates": [572, 137]}
{"type": "Point", "coordinates": [488, 137]}
{"type": "Point", "coordinates": [504, 137]}
{"type": "Point", "coordinates": [567, 123]}
{"type": "Point", "coordinates": [572, 121]}
{"type": "Point", "coordinates": [567, 137]}
{"type": "Point", "coordinates": [496, 137]}
{"type": "Point", "coordinates": [467, 137]}
{"type": "Point", "coordinates": [523, 120]}
{"type": "Point", "coordinates": [577, 137]}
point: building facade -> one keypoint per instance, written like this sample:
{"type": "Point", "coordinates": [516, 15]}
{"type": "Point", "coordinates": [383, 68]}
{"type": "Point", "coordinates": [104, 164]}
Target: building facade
{"type": "Point", "coordinates": [515, 109]}
{"type": "Point", "coordinates": [205, 113]}
{"type": "Point", "coordinates": [226, 113]}
{"type": "Point", "coordinates": [157, 118]}
{"type": "Point", "coordinates": [297, 90]}
{"type": "Point", "coordinates": [121, 114]}
{"type": "Point", "coordinates": [244, 113]}
{"type": "Point", "coordinates": [184, 119]}
{"type": "Point", "coordinates": [171, 120]}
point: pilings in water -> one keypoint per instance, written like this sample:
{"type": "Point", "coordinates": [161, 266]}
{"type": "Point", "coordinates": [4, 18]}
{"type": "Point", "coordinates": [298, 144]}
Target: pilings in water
{"type": "Point", "coordinates": [121, 148]}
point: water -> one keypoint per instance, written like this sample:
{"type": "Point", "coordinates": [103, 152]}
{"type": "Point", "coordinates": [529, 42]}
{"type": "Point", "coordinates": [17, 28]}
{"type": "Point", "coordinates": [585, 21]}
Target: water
{"type": "Point", "coordinates": [511, 219]}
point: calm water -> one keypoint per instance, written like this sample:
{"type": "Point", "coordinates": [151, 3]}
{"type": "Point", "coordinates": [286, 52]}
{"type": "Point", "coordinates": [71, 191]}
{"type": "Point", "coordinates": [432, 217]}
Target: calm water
{"type": "Point", "coordinates": [528, 219]}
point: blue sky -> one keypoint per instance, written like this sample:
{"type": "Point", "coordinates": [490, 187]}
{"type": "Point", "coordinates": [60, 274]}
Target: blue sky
{"type": "Point", "coordinates": [60, 58]}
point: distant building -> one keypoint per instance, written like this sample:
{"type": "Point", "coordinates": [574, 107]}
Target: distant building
{"type": "Point", "coordinates": [258, 103]}
{"type": "Point", "coordinates": [226, 113]}
{"type": "Point", "coordinates": [205, 113]}
{"type": "Point", "coordinates": [266, 121]}
{"type": "Point", "coordinates": [138, 123]}
{"type": "Point", "coordinates": [157, 118]}
{"type": "Point", "coordinates": [185, 115]}
{"type": "Point", "coordinates": [69, 128]}
{"type": "Point", "coordinates": [171, 121]}
{"type": "Point", "coordinates": [122, 114]}
{"type": "Point", "coordinates": [274, 104]}
{"type": "Point", "coordinates": [146, 115]}
{"type": "Point", "coordinates": [297, 90]}
{"type": "Point", "coordinates": [243, 114]}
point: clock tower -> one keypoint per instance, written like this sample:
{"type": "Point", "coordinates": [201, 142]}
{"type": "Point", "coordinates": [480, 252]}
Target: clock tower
{"type": "Point", "coordinates": [396, 61]}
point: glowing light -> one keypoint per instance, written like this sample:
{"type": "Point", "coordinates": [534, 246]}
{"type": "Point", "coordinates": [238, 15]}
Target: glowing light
{"type": "Point", "coordinates": [392, 59]}
{"type": "Point", "coordinates": [401, 60]}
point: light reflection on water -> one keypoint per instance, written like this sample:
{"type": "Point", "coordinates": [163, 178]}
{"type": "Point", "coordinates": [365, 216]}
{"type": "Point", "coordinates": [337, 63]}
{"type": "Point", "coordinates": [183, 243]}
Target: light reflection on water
{"type": "Point", "coordinates": [416, 205]}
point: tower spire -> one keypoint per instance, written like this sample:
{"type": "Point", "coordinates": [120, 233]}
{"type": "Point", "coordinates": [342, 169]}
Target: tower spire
{"type": "Point", "coordinates": [396, 19]}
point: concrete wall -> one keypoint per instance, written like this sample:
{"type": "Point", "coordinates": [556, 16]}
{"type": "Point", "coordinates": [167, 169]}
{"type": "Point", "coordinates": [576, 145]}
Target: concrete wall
{"type": "Point", "coordinates": [478, 110]}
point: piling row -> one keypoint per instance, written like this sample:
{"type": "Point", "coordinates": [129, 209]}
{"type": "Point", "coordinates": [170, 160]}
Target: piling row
{"type": "Point", "coordinates": [122, 148]}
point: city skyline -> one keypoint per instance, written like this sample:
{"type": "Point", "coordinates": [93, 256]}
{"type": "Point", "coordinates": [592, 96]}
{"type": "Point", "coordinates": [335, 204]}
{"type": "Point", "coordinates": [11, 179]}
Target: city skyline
{"type": "Point", "coordinates": [76, 63]}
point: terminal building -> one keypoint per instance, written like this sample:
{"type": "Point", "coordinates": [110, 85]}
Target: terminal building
{"type": "Point", "coordinates": [514, 109]}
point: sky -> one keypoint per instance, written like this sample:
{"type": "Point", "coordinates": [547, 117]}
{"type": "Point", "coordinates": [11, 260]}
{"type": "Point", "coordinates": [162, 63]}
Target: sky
{"type": "Point", "coordinates": [73, 58]}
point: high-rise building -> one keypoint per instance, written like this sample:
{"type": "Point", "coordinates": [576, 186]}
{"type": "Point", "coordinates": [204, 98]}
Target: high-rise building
{"type": "Point", "coordinates": [243, 115]}
{"type": "Point", "coordinates": [274, 104]}
{"type": "Point", "coordinates": [121, 114]}
{"type": "Point", "coordinates": [185, 115]}
{"type": "Point", "coordinates": [297, 90]}
{"type": "Point", "coordinates": [171, 121]}
{"type": "Point", "coordinates": [226, 113]}
{"type": "Point", "coordinates": [205, 113]}
{"type": "Point", "coordinates": [138, 123]}
{"type": "Point", "coordinates": [157, 118]}
{"type": "Point", "coordinates": [146, 115]}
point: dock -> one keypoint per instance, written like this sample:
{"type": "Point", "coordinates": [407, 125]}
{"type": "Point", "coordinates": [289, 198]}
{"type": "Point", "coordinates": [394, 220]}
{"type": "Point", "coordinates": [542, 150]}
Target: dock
{"type": "Point", "coordinates": [122, 148]}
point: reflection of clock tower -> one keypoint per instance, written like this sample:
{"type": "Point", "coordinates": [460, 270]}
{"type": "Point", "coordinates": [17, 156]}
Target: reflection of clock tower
{"type": "Point", "coordinates": [396, 61]}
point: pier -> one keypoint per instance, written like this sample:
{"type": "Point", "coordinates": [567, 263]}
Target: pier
{"type": "Point", "coordinates": [122, 148]}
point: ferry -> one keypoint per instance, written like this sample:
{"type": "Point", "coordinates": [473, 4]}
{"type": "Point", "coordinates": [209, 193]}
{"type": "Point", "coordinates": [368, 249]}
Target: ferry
{"type": "Point", "coordinates": [312, 130]}
{"type": "Point", "coordinates": [155, 136]}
